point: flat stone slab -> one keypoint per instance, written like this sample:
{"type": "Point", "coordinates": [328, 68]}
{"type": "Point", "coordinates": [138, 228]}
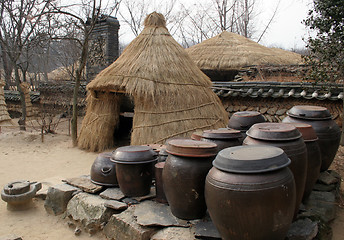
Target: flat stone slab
{"type": "Point", "coordinates": [205, 229]}
{"type": "Point", "coordinates": [327, 178]}
{"type": "Point", "coordinates": [116, 205]}
{"type": "Point", "coordinates": [46, 183]}
{"type": "Point", "coordinates": [152, 194]}
{"type": "Point", "coordinates": [303, 229]}
{"type": "Point", "coordinates": [322, 204]}
{"type": "Point", "coordinates": [84, 183]}
{"type": "Point", "coordinates": [324, 188]}
{"type": "Point", "coordinates": [10, 237]}
{"type": "Point", "coordinates": [112, 193]}
{"type": "Point", "coordinates": [150, 213]}
{"type": "Point", "coordinates": [174, 233]}
{"type": "Point", "coordinates": [124, 226]}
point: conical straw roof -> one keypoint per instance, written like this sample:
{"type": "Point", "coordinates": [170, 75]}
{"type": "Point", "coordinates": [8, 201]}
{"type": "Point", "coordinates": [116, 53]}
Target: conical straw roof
{"type": "Point", "coordinates": [230, 51]}
{"type": "Point", "coordinates": [172, 96]}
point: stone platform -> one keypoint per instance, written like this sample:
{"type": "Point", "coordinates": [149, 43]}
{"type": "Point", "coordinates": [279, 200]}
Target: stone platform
{"type": "Point", "coordinates": [92, 208]}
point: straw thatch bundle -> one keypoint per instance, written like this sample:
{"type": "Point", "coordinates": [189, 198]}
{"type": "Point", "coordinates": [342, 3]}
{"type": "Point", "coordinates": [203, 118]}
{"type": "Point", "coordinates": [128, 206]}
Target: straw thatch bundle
{"type": "Point", "coordinates": [4, 116]}
{"type": "Point", "coordinates": [230, 51]}
{"type": "Point", "coordinates": [100, 121]}
{"type": "Point", "coordinates": [30, 112]}
{"type": "Point", "coordinates": [172, 96]}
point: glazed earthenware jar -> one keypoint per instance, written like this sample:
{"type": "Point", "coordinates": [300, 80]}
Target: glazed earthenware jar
{"type": "Point", "coordinates": [103, 170]}
{"type": "Point", "coordinates": [250, 193]}
{"type": "Point", "coordinates": [223, 138]}
{"type": "Point", "coordinates": [242, 121]}
{"type": "Point", "coordinates": [289, 139]}
{"type": "Point", "coordinates": [326, 129]}
{"type": "Point", "coordinates": [134, 169]}
{"type": "Point", "coordinates": [184, 173]}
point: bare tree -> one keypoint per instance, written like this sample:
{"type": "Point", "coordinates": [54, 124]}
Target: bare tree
{"type": "Point", "coordinates": [78, 23]}
{"type": "Point", "coordinates": [20, 23]}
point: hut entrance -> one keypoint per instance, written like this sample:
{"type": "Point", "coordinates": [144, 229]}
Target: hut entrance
{"type": "Point", "coordinates": [122, 132]}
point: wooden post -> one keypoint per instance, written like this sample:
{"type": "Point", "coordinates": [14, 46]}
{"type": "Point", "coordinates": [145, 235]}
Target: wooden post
{"type": "Point", "coordinates": [42, 134]}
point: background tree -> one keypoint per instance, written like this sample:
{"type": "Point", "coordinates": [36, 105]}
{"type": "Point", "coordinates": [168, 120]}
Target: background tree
{"type": "Point", "coordinates": [325, 45]}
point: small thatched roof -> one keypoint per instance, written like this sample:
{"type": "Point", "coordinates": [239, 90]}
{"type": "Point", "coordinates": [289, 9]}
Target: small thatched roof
{"type": "Point", "coordinates": [172, 96]}
{"type": "Point", "coordinates": [230, 51]}
{"type": "Point", "coordinates": [4, 116]}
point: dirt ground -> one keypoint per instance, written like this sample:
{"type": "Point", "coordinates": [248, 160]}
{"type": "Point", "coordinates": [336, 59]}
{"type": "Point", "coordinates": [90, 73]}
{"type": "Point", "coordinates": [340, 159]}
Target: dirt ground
{"type": "Point", "coordinates": [24, 157]}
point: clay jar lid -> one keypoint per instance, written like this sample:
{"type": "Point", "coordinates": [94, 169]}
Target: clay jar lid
{"type": "Point", "coordinates": [134, 155]}
{"type": "Point", "coordinates": [191, 148]}
{"type": "Point", "coordinates": [221, 134]}
{"type": "Point", "coordinates": [196, 135]}
{"type": "Point", "coordinates": [244, 120]}
{"type": "Point", "coordinates": [251, 159]}
{"type": "Point", "coordinates": [309, 112]}
{"type": "Point", "coordinates": [274, 132]}
{"type": "Point", "coordinates": [307, 131]}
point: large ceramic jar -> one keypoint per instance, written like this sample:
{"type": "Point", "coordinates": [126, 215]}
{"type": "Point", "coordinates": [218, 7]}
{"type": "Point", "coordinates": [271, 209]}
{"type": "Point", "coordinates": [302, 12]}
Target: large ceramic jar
{"type": "Point", "coordinates": [313, 156]}
{"type": "Point", "coordinates": [242, 121]}
{"type": "Point", "coordinates": [223, 138]}
{"type": "Point", "coordinates": [134, 169]}
{"type": "Point", "coordinates": [326, 129]}
{"type": "Point", "coordinates": [250, 193]}
{"type": "Point", "coordinates": [288, 138]}
{"type": "Point", "coordinates": [103, 170]}
{"type": "Point", "coordinates": [184, 174]}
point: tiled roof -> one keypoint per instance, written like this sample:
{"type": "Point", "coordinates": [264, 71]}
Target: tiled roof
{"type": "Point", "coordinates": [279, 90]}
{"type": "Point", "coordinates": [15, 96]}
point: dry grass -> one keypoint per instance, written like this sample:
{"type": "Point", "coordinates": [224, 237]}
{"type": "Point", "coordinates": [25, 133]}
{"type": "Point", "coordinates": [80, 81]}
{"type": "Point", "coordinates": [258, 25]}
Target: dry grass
{"type": "Point", "coordinates": [4, 116]}
{"type": "Point", "coordinates": [102, 117]}
{"type": "Point", "coordinates": [230, 51]}
{"type": "Point", "coordinates": [172, 96]}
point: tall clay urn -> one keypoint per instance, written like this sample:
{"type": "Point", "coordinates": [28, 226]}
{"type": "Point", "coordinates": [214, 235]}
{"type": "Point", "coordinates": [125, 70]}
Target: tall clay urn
{"type": "Point", "coordinates": [242, 121]}
{"type": "Point", "coordinates": [313, 156]}
{"type": "Point", "coordinates": [289, 139]}
{"type": "Point", "coordinates": [134, 169]}
{"type": "Point", "coordinates": [250, 193]}
{"type": "Point", "coordinates": [184, 174]}
{"type": "Point", "coordinates": [223, 138]}
{"type": "Point", "coordinates": [326, 129]}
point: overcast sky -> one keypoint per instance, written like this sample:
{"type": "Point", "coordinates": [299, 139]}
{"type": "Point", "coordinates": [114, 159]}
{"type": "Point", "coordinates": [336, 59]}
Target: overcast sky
{"type": "Point", "coordinates": [287, 30]}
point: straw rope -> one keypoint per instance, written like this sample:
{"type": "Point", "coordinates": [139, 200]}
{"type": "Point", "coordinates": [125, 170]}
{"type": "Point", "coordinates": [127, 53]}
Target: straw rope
{"type": "Point", "coordinates": [186, 131]}
{"type": "Point", "coordinates": [174, 111]}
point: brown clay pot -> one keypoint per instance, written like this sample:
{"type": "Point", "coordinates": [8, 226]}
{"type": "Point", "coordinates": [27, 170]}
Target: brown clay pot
{"type": "Point", "coordinates": [134, 169]}
{"type": "Point", "coordinates": [103, 170]}
{"type": "Point", "coordinates": [223, 138]}
{"type": "Point", "coordinates": [242, 121]}
{"type": "Point", "coordinates": [326, 129]}
{"type": "Point", "coordinates": [159, 187]}
{"type": "Point", "coordinates": [289, 139]}
{"type": "Point", "coordinates": [184, 174]}
{"type": "Point", "coordinates": [313, 156]}
{"type": "Point", "coordinates": [250, 193]}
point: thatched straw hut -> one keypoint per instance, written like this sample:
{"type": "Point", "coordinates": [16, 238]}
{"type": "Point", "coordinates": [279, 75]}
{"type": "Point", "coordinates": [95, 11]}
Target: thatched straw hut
{"type": "Point", "coordinates": [172, 97]}
{"type": "Point", "coordinates": [222, 56]}
{"type": "Point", "coordinates": [5, 118]}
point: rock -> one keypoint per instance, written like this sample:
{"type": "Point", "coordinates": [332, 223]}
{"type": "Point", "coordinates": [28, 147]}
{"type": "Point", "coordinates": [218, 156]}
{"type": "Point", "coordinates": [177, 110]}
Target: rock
{"type": "Point", "coordinates": [58, 197]}
{"type": "Point", "coordinates": [116, 205]}
{"type": "Point", "coordinates": [205, 229]}
{"type": "Point", "coordinates": [151, 213]}
{"type": "Point", "coordinates": [152, 194]}
{"type": "Point", "coordinates": [324, 187]}
{"type": "Point", "coordinates": [327, 178]}
{"type": "Point", "coordinates": [112, 193]}
{"type": "Point", "coordinates": [123, 226]}
{"type": "Point", "coordinates": [321, 204]}
{"type": "Point", "coordinates": [280, 112]}
{"type": "Point", "coordinates": [84, 183]}
{"type": "Point", "coordinates": [303, 229]}
{"type": "Point", "coordinates": [271, 111]}
{"type": "Point", "coordinates": [77, 231]}
{"type": "Point", "coordinates": [10, 237]}
{"type": "Point", "coordinates": [89, 210]}
{"type": "Point", "coordinates": [46, 183]}
{"type": "Point", "coordinates": [174, 233]}
{"type": "Point", "coordinates": [130, 201]}
{"type": "Point", "coordinates": [263, 110]}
